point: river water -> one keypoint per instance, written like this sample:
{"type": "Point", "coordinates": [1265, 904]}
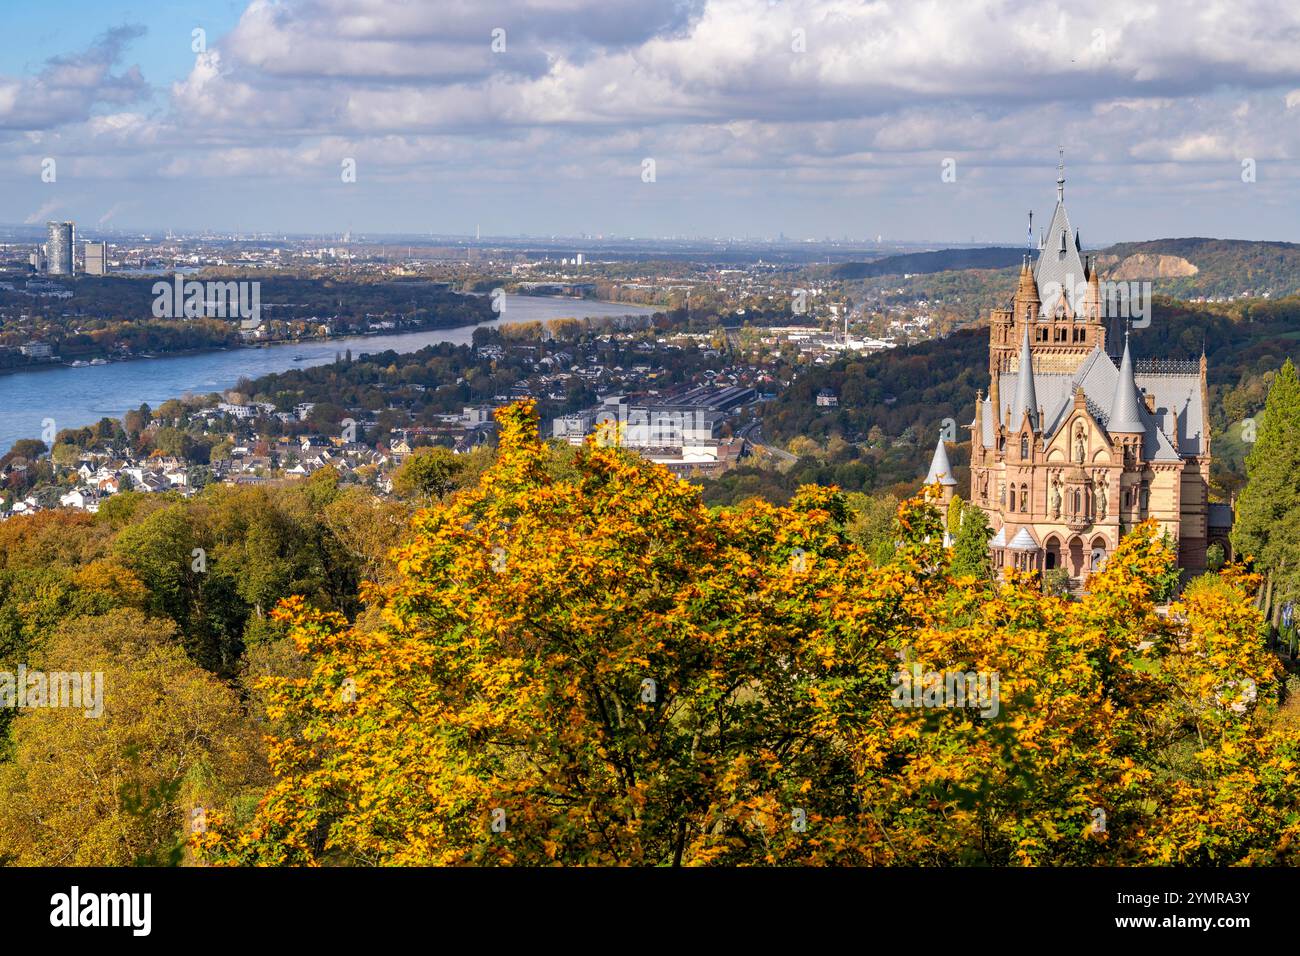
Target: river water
{"type": "Point", "coordinates": [73, 397]}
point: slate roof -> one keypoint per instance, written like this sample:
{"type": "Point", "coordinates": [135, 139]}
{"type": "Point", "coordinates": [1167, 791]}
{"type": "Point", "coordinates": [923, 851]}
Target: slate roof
{"type": "Point", "coordinates": [1124, 407]}
{"type": "Point", "coordinates": [1023, 541]}
{"type": "Point", "coordinates": [940, 470]}
{"type": "Point", "coordinates": [1059, 261]}
{"type": "Point", "coordinates": [1177, 401]}
{"type": "Point", "coordinates": [1026, 395]}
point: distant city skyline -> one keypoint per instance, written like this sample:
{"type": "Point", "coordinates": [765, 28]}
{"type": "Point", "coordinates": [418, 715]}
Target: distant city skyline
{"type": "Point", "coordinates": [653, 118]}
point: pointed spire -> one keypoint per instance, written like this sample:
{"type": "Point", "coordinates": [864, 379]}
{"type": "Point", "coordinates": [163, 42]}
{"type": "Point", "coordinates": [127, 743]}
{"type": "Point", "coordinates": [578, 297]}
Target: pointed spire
{"type": "Point", "coordinates": [940, 470]}
{"type": "Point", "coordinates": [1092, 310]}
{"type": "Point", "coordinates": [1026, 397]}
{"type": "Point", "coordinates": [1060, 174]}
{"type": "Point", "coordinates": [1124, 415]}
{"type": "Point", "coordinates": [1026, 302]}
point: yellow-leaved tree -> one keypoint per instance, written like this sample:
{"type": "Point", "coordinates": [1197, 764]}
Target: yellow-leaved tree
{"type": "Point", "coordinates": [113, 781]}
{"type": "Point", "coordinates": [587, 666]}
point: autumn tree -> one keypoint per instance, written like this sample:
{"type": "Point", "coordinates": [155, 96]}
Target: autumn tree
{"type": "Point", "coordinates": [119, 788]}
{"type": "Point", "coordinates": [591, 667]}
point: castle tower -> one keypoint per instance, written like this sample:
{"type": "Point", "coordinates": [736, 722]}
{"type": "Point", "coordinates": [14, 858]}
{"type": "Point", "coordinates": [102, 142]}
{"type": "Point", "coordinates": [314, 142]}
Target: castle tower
{"type": "Point", "coordinates": [1074, 447]}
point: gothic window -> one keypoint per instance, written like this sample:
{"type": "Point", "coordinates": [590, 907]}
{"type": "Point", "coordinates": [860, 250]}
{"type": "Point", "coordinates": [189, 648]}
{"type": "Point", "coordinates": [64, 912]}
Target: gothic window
{"type": "Point", "coordinates": [1024, 446]}
{"type": "Point", "coordinates": [1024, 497]}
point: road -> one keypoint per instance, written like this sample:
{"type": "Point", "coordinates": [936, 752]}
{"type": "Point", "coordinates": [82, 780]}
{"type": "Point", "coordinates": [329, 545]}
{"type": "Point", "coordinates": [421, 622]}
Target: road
{"type": "Point", "coordinates": [753, 433]}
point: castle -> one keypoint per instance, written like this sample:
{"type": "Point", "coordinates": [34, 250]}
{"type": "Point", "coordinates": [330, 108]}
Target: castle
{"type": "Point", "coordinates": [1074, 446]}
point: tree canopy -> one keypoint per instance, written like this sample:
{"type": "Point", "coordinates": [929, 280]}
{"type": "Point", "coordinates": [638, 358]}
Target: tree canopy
{"type": "Point", "coordinates": [589, 666]}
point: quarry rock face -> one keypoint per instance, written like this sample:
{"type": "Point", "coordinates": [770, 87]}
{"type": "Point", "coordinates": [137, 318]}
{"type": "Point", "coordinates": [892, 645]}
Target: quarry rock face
{"type": "Point", "coordinates": [1146, 265]}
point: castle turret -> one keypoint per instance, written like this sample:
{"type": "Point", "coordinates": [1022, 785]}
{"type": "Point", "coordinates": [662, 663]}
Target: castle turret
{"type": "Point", "coordinates": [1125, 417]}
{"type": "Point", "coordinates": [1026, 303]}
{"type": "Point", "coordinates": [941, 472]}
{"type": "Point", "coordinates": [1092, 311]}
{"type": "Point", "coordinates": [1026, 397]}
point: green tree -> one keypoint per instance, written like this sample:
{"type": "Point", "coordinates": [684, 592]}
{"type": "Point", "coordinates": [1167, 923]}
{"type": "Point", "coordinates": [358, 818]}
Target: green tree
{"type": "Point", "coordinates": [1214, 558]}
{"type": "Point", "coordinates": [873, 525]}
{"type": "Point", "coordinates": [1267, 525]}
{"type": "Point", "coordinates": [970, 546]}
{"type": "Point", "coordinates": [187, 583]}
{"type": "Point", "coordinates": [65, 455]}
{"type": "Point", "coordinates": [428, 474]}
{"type": "Point", "coordinates": [956, 507]}
{"type": "Point", "coordinates": [29, 448]}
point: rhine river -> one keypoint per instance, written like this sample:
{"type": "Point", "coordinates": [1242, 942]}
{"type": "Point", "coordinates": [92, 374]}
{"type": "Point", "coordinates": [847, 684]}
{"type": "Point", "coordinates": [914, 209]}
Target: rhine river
{"type": "Point", "coordinates": [74, 397]}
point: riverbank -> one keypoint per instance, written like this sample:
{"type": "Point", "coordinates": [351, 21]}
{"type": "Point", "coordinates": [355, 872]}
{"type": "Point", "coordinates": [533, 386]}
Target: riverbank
{"type": "Point", "coordinates": [76, 397]}
{"type": "Point", "coordinates": [239, 346]}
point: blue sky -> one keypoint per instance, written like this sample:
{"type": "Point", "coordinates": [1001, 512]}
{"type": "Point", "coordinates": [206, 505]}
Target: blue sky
{"type": "Point", "coordinates": [45, 30]}
{"type": "Point", "coordinates": [808, 117]}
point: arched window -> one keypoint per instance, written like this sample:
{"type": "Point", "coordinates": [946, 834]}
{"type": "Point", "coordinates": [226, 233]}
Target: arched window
{"type": "Point", "coordinates": [1024, 446]}
{"type": "Point", "coordinates": [1024, 497]}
